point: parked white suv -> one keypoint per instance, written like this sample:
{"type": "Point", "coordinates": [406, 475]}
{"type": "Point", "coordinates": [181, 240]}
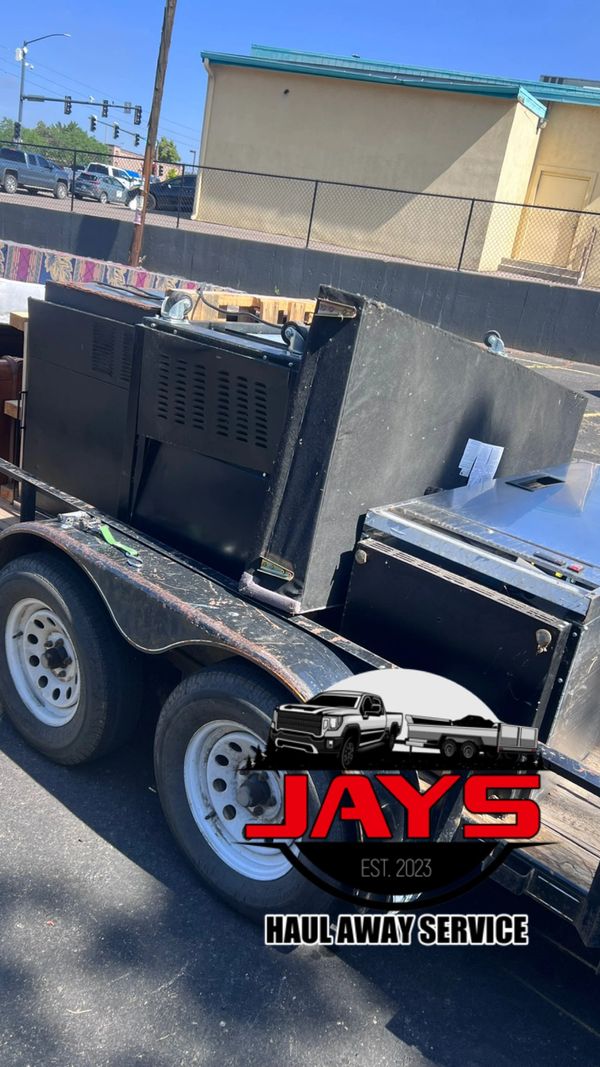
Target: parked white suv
{"type": "Point", "coordinates": [108, 171]}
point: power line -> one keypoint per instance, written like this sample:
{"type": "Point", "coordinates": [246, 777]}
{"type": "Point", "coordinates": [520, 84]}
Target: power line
{"type": "Point", "coordinates": [167, 126]}
{"type": "Point", "coordinates": [86, 85]}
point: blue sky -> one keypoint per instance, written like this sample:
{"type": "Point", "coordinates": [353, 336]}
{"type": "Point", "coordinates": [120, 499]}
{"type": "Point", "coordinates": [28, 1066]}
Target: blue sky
{"type": "Point", "coordinates": [113, 45]}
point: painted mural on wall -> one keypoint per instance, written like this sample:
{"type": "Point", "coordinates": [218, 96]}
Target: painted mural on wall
{"type": "Point", "coordinates": [23, 263]}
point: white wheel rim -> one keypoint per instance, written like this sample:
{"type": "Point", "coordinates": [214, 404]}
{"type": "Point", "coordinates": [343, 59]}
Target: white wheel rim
{"type": "Point", "coordinates": [218, 795]}
{"type": "Point", "coordinates": [42, 662]}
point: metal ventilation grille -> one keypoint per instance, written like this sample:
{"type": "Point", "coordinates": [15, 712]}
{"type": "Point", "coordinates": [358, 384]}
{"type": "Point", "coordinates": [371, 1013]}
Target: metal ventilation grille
{"type": "Point", "coordinates": [103, 348]}
{"type": "Point", "coordinates": [199, 397]}
{"type": "Point", "coordinates": [180, 392]}
{"type": "Point", "coordinates": [162, 393]}
{"type": "Point", "coordinates": [227, 406]}
{"type": "Point", "coordinates": [261, 435]}
{"type": "Point", "coordinates": [126, 357]}
{"type": "Point", "coordinates": [223, 403]}
{"type": "Point", "coordinates": [241, 409]}
{"type": "Point", "coordinates": [112, 351]}
{"type": "Point", "coordinates": [181, 397]}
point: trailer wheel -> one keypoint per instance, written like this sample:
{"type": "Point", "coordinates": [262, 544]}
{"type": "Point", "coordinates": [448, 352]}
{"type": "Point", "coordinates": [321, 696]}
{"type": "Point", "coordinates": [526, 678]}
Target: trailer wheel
{"type": "Point", "coordinates": [69, 684]}
{"type": "Point", "coordinates": [468, 750]}
{"type": "Point", "coordinates": [210, 726]}
{"type": "Point", "coordinates": [449, 748]}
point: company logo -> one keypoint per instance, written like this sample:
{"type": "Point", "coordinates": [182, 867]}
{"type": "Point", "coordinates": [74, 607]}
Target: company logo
{"type": "Point", "coordinates": [446, 790]}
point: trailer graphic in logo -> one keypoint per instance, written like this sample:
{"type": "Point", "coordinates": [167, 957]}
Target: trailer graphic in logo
{"type": "Point", "coordinates": [432, 789]}
{"type": "Point", "coordinates": [368, 716]}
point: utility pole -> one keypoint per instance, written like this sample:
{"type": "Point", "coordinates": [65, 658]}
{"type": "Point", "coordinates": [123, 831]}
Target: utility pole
{"type": "Point", "coordinates": [159, 81]}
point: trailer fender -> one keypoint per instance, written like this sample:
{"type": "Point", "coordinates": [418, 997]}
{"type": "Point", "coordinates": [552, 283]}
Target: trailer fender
{"type": "Point", "coordinates": [163, 603]}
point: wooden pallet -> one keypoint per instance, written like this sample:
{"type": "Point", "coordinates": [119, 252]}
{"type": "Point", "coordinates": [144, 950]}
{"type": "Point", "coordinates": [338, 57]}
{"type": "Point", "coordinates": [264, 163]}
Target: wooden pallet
{"type": "Point", "coordinates": [244, 307]}
{"type": "Point", "coordinates": [19, 320]}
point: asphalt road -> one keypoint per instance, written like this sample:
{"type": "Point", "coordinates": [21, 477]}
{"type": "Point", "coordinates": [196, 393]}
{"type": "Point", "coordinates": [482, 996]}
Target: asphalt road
{"type": "Point", "coordinates": [112, 954]}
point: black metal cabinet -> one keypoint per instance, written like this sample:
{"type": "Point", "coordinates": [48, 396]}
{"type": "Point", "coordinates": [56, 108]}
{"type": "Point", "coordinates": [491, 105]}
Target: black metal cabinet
{"type": "Point", "coordinates": [498, 588]}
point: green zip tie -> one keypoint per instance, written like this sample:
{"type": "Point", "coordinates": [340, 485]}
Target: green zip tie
{"type": "Point", "coordinates": [110, 539]}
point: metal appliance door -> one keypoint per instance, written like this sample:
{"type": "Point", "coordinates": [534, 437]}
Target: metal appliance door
{"type": "Point", "coordinates": [420, 615]}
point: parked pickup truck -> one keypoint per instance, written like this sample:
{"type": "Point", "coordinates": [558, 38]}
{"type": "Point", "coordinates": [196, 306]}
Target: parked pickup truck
{"type": "Point", "coordinates": [342, 724]}
{"type": "Point", "coordinates": [27, 170]}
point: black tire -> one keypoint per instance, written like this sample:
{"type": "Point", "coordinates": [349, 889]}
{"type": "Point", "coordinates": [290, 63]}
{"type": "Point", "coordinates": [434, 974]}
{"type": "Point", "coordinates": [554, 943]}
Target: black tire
{"type": "Point", "coordinates": [348, 752]}
{"type": "Point", "coordinates": [449, 748]}
{"type": "Point", "coordinates": [468, 750]}
{"type": "Point", "coordinates": [110, 670]}
{"type": "Point", "coordinates": [10, 184]}
{"type": "Point", "coordinates": [151, 205]}
{"type": "Point", "coordinates": [241, 693]}
{"type": "Point", "coordinates": [103, 198]}
{"type": "Point", "coordinates": [60, 191]}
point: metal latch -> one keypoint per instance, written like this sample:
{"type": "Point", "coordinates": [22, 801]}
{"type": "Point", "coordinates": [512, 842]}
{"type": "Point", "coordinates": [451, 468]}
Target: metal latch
{"type": "Point", "coordinates": [90, 523]}
{"type": "Point", "coordinates": [276, 570]}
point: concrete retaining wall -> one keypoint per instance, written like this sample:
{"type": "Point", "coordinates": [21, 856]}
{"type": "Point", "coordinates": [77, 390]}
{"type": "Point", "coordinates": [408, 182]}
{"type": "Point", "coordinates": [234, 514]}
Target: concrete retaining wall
{"type": "Point", "coordinates": [532, 316]}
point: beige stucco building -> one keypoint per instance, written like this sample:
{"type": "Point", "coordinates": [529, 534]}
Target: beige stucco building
{"type": "Point", "coordinates": [430, 166]}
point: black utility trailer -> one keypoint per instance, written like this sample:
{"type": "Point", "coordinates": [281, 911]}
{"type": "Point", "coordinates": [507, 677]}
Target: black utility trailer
{"type": "Point", "coordinates": [208, 520]}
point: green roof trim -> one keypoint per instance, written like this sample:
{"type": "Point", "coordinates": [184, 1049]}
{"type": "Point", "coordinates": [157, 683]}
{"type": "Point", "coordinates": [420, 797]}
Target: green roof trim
{"type": "Point", "coordinates": [504, 89]}
{"type": "Point", "coordinates": [548, 91]}
{"type": "Point", "coordinates": [531, 102]}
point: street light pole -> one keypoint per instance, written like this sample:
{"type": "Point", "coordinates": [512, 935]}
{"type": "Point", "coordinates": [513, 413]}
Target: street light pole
{"type": "Point", "coordinates": [22, 85]}
{"type": "Point", "coordinates": [193, 153]}
{"type": "Point", "coordinates": [24, 64]}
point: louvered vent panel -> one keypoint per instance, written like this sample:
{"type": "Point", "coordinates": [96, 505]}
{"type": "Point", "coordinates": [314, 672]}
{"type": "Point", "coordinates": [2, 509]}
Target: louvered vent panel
{"type": "Point", "coordinates": [126, 357]}
{"type": "Point", "coordinates": [180, 392]}
{"type": "Point", "coordinates": [242, 409]}
{"type": "Point", "coordinates": [223, 403]}
{"type": "Point", "coordinates": [199, 397]}
{"type": "Point", "coordinates": [261, 436]}
{"type": "Point", "coordinates": [162, 393]}
{"type": "Point", "coordinates": [103, 348]}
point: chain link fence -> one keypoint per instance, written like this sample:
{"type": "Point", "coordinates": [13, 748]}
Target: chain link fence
{"type": "Point", "coordinates": [459, 233]}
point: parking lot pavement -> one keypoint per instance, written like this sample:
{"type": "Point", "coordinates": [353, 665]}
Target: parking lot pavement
{"type": "Point", "coordinates": [112, 954]}
{"type": "Point", "coordinates": [121, 212]}
{"type": "Point", "coordinates": [585, 377]}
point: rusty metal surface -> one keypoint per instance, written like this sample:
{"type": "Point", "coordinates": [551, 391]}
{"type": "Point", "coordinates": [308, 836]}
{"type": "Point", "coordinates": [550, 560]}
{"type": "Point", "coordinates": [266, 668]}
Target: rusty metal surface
{"type": "Point", "coordinates": [165, 604]}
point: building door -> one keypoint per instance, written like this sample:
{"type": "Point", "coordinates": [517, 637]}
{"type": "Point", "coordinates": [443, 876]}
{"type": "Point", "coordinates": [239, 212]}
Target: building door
{"type": "Point", "coordinates": [547, 236]}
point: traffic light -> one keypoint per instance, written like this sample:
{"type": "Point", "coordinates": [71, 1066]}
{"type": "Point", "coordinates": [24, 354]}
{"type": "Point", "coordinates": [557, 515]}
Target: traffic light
{"type": "Point", "coordinates": [93, 123]}
{"type": "Point", "coordinates": [136, 140]}
{"type": "Point", "coordinates": [116, 131]}
{"type": "Point", "coordinates": [68, 105]}
{"type": "Point", "coordinates": [105, 109]}
{"type": "Point", "coordinates": [17, 131]}
{"type": "Point", "coordinates": [137, 115]}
